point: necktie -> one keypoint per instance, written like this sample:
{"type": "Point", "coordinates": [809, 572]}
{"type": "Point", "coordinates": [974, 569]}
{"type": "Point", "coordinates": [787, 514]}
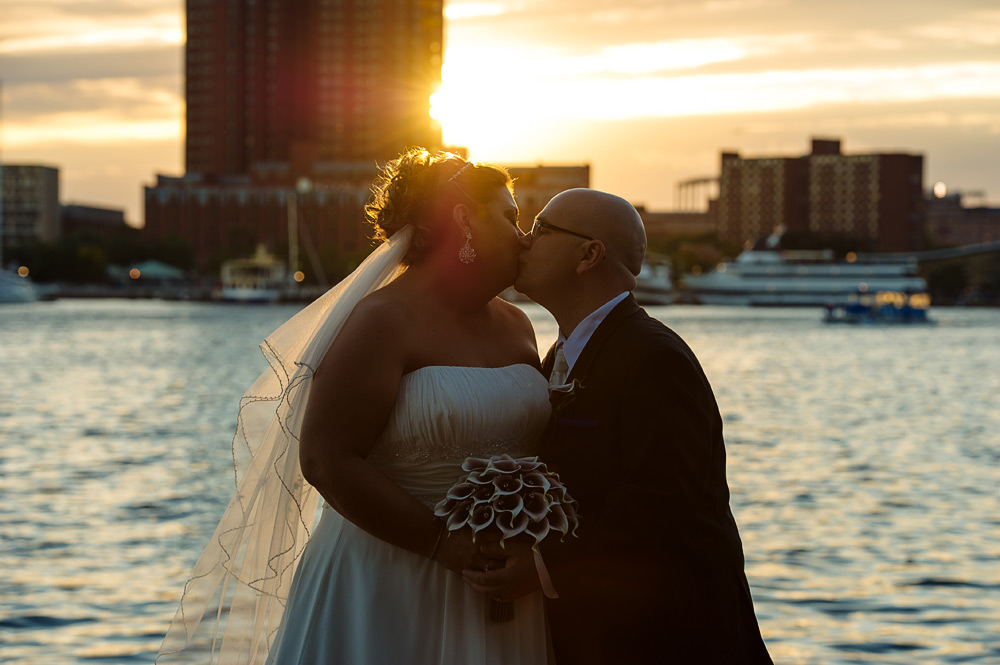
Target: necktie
{"type": "Point", "coordinates": [560, 368]}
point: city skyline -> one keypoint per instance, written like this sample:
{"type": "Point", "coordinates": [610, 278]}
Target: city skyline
{"type": "Point", "coordinates": [646, 93]}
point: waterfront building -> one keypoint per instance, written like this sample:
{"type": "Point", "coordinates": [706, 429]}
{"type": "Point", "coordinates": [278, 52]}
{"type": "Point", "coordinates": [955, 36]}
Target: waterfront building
{"type": "Point", "coordinates": [661, 226]}
{"type": "Point", "coordinates": [951, 223]}
{"type": "Point", "coordinates": [875, 198]}
{"type": "Point", "coordinates": [94, 221]}
{"type": "Point", "coordinates": [281, 94]}
{"type": "Point", "coordinates": [535, 185]}
{"type": "Point", "coordinates": [756, 195]}
{"type": "Point", "coordinates": [29, 198]}
{"type": "Point", "coordinates": [228, 219]}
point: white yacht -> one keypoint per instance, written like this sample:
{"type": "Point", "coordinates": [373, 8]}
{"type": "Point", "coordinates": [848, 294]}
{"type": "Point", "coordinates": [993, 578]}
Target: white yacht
{"type": "Point", "coordinates": [769, 277]}
{"type": "Point", "coordinates": [653, 285]}
{"type": "Point", "coordinates": [260, 278]}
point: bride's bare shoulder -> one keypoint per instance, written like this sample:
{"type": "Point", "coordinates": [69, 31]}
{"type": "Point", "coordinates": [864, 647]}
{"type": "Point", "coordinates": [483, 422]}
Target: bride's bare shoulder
{"type": "Point", "coordinates": [376, 330]}
{"type": "Point", "coordinates": [512, 316]}
{"type": "Point", "coordinates": [383, 309]}
{"type": "Point", "coordinates": [516, 331]}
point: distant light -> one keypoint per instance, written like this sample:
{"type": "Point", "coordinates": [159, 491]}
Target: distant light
{"type": "Point", "coordinates": [851, 257]}
{"type": "Point", "coordinates": [696, 270]}
{"type": "Point", "coordinates": [23, 271]}
{"type": "Point", "coordinates": [134, 273]}
{"type": "Point", "coordinates": [863, 287]}
{"type": "Point", "coordinates": [299, 276]}
{"type": "Point", "coordinates": [940, 190]}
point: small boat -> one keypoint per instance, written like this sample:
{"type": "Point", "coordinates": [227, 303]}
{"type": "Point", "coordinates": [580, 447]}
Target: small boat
{"type": "Point", "coordinates": [16, 287]}
{"type": "Point", "coordinates": [653, 285]}
{"type": "Point", "coordinates": [881, 307]}
{"type": "Point", "coordinates": [258, 279]}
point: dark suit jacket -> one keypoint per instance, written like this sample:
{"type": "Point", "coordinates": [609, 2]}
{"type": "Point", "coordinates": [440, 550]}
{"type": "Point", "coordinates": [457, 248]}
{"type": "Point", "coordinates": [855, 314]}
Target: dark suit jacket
{"type": "Point", "coordinates": [656, 574]}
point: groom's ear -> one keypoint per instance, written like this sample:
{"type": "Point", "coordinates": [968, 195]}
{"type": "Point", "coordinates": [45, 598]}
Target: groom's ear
{"type": "Point", "coordinates": [593, 254]}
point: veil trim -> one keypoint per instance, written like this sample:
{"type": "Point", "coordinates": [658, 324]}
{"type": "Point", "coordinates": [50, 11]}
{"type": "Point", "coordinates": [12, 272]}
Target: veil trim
{"type": "Point", "coordinates": [244, 573]}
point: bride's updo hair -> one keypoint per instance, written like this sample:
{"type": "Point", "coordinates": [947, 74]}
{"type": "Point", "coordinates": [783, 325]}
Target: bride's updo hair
{"type": "Point", "coordinates": [421, 188]}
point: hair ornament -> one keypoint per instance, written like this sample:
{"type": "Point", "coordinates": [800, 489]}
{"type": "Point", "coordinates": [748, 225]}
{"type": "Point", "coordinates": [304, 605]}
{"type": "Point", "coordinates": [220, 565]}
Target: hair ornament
{"type": "Point", "coordinates": [459, 172]}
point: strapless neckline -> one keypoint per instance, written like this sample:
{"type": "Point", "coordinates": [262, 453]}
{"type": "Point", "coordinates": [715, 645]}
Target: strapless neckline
{"type": "Point", "coordinates": [469, 367]}
{"type": "Point", "coordinates": [445, 413]}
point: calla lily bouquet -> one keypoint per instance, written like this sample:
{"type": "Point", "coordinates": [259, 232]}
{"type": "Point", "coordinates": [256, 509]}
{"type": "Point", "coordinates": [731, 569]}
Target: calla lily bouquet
{"type": "Point", "coordinates": [517, 495]}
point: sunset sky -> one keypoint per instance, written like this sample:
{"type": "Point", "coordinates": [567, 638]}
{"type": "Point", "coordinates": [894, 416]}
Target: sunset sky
{"type": "Point", "coordinates": [648, 92]}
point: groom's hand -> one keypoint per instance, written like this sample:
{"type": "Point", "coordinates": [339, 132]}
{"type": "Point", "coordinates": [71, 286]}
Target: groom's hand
{"type": "Point", "coordinates": [517, 578]}
{"type": "Point", "coordinates": [457, 551]}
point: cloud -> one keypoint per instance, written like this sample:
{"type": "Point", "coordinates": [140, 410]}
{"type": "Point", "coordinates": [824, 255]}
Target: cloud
{"type": "Point", "coordinates": [647, 58]}
{"type": "Point", "coordinates": [27, 17]}
{"type": "Point", "coordinates": [580, 26]}
{"type": "Point", "coordinates": [47, 27]}
{"type": "Point", "coordinates": [976, 28]}
{"type": "Point", "coordinates": [102, 111]}
{"type": "Point", "coordinates": [143, 62]}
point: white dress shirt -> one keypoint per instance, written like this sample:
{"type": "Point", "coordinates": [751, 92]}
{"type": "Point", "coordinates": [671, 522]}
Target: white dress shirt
{"type": "Point", "coordinates": [574, 344]}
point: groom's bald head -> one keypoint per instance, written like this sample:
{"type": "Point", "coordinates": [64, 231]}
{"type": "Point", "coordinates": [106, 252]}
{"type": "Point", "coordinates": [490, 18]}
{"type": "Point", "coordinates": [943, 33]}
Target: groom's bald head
{"type": "Point", "coordinates": [586, 248]}
{"type": "Point", "coordinates": [607, 217]}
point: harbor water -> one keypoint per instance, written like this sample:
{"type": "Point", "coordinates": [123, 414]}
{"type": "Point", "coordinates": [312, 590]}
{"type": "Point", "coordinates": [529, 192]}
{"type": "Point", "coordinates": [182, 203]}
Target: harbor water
{"type": "Point", "coordinates": [864, 464]}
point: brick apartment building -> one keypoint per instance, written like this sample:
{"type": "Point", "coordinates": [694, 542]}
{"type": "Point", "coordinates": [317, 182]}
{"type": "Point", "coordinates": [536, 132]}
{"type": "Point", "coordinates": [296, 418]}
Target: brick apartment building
{"type": "Point", "coordinates": [876, 198]}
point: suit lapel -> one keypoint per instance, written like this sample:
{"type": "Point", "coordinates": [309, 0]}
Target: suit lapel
{"type": "Point", "coordinates": [609, 325]}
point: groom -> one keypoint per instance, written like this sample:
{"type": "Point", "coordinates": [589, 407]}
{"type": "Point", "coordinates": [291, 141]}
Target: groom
{"type": "Point", "coordinates": [656, 574]}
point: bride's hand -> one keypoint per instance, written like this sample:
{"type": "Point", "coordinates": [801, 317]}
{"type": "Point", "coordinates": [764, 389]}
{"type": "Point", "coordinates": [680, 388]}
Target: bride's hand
{"type": "Point", "coordinates": [516, 578]}
{"type": "Point", "coordinates": [457, 552]}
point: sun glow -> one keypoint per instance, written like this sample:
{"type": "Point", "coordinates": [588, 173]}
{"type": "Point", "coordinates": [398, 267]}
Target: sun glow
{"type": "Point", "coordinates": [465, 10]}
{"type": "Point", "coordinates": [654, 57]}
{"type": "Point", "coordinates": [475, 109]}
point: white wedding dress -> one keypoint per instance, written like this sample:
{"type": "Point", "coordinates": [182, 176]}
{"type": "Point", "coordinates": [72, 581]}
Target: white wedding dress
{"type": "Point", "coordinates": [357, 600]}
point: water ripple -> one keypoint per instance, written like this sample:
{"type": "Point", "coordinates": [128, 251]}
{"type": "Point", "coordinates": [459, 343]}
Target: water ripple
{"type": "Point", "coordinates": [863, 465]}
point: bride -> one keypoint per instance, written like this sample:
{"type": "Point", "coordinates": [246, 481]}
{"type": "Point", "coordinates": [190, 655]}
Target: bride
{"type": "Point", "coordinates": [377, 393]}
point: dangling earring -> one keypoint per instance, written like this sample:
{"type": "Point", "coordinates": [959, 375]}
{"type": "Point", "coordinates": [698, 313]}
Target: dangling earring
{"type": "Point", "coordinates": [466, 254]}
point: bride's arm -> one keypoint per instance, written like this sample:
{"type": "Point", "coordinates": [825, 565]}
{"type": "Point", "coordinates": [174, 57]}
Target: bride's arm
{"type": "Point", "coordinates": [353, 393]}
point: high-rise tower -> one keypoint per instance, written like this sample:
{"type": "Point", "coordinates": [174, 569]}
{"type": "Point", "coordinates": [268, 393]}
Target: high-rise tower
{"type": "Point", "coordinates": [273, 85]}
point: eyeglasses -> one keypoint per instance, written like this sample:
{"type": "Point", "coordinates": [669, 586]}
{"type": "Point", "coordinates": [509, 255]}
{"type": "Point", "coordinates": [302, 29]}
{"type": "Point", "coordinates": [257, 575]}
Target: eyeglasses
{"type": "Point", "coordinates": [539, 224]}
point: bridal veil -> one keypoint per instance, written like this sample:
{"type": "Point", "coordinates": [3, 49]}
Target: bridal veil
{"type": "Point", "coordinates": [233, 602]}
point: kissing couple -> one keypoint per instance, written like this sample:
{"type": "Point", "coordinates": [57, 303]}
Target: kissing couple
{"type": "Point", "coordinates": [330, 551]}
